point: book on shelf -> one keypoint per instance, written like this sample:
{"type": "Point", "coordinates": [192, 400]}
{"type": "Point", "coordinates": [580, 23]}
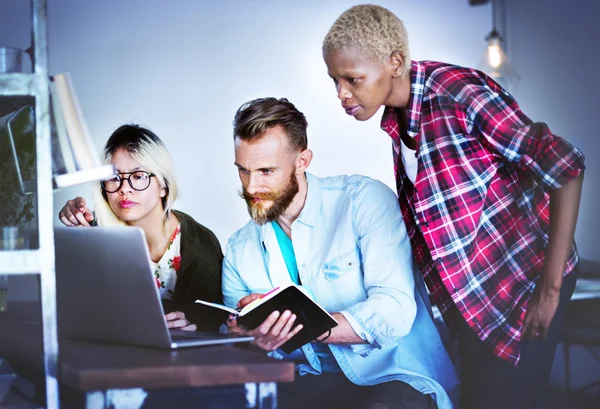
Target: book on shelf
{"type": "Point", "coordinates": [314, 319]}
{"type": "Point", "coordinates": [73, 148]}
{"type": "Point", "coordinates": [70, 125]}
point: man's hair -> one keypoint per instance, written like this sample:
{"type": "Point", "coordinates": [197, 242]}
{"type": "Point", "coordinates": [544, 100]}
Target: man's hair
{"type": "Point", "coordinates": [372, 30]}
{"type": "Point", "coordinates": [255, 117]}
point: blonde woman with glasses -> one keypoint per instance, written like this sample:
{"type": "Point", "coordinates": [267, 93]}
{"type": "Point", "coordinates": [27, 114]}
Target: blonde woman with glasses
{"type": "Point", "coordinates": [186, 256]}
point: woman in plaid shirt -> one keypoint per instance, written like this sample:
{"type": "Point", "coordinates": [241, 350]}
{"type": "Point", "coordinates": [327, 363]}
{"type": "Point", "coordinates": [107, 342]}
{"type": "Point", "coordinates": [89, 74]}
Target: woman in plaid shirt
{"type": "Point", "coordinates": [490, 199]}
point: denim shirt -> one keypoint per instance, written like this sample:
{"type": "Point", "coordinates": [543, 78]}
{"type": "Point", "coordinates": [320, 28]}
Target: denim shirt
{"type": "Point", "coordinates": [354, 256]}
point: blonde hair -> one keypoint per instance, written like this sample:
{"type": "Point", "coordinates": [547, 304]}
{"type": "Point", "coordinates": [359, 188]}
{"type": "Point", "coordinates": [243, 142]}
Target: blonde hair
{"type": "Point", "coordinates": [372, 30]}
{"type": "Point", "coordinates": [145, 148]}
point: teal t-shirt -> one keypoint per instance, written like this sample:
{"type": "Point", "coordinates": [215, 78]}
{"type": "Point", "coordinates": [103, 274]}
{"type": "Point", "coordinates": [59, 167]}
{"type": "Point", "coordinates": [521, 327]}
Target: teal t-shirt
{"type": "Point", "coordinates": [287, 249]}
{"type": "Point", "coordinates": [328, 362]}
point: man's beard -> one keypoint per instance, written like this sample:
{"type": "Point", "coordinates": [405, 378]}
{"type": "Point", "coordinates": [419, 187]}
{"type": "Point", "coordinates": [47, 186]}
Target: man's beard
{"type": "Point", "coordinates": [281, 200]}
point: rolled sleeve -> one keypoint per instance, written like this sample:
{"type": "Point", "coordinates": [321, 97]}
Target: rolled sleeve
{"type": "Point", "coordinates": [528, 145]}
{"type": "Point", "coordinates": [360, 349]}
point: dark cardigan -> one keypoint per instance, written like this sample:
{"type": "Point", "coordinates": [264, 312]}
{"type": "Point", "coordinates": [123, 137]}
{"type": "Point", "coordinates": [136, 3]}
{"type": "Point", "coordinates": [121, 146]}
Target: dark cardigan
{"type": "Point", "coordinates": [199, 275]}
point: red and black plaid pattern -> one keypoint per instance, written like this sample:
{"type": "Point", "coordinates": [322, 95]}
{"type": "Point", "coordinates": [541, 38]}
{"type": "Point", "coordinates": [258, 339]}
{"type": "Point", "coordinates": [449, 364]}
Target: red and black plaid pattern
{"type": "Point", "coordinates": [478, 213]}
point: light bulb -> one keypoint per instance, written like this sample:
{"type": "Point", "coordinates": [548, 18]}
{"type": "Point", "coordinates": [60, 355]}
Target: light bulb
{"type": "Point", "coordinates": [494, 55]}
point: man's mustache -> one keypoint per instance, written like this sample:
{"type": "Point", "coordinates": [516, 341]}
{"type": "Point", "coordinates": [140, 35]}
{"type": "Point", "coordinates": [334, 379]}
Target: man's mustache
{"type": "Point", "coordinates": [258, 195]}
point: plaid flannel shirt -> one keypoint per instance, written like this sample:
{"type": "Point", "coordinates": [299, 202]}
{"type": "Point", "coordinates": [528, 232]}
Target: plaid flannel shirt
{"type": "Point", "coordinates": [478, 214]}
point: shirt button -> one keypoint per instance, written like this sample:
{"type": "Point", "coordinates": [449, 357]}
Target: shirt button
{"type": "Point", "coordinates": [416, 154]}
{"type": "Point", "coordinates": [439, 259]}
{"type": "Point", "coordinates": [426, 223]}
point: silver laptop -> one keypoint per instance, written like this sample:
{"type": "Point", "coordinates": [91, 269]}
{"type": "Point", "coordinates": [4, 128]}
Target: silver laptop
{"type": "Point", "coordinates": [106, 291]}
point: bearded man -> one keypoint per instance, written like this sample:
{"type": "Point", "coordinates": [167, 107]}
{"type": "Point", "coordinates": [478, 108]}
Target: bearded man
{"type": "Point", "coordinates": [344, 241]}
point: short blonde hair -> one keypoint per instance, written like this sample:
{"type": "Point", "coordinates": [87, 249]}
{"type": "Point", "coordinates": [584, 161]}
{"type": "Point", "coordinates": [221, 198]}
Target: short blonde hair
{"type": "Point", "coordinates": [372, 30]}
{"type": "Point", "coordinates": [147, 149]}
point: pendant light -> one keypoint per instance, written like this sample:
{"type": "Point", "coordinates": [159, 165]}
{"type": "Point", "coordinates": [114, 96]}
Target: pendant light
{"type": "Point", "coordinates": [494, 61]}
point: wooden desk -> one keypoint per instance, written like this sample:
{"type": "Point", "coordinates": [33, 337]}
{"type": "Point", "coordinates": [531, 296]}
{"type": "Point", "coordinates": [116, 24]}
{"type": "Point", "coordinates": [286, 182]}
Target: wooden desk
{"type": "Point", "coordinates": [100, 373]}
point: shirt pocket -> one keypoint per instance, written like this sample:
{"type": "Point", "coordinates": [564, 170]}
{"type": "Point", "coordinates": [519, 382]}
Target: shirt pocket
{"type": "Point", "coordinates": [341, 265]}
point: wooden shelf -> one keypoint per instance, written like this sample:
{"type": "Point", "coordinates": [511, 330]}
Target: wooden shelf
{"type": "Point", "coordinates": [19, 262]}
{"type": "Point", "coordinates": [21, 84]}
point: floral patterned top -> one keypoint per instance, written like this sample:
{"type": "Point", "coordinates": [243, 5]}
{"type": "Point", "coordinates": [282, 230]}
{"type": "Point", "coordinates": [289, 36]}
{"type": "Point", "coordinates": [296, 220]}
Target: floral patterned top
{"type": "Point", "coordinates": [166, 269]}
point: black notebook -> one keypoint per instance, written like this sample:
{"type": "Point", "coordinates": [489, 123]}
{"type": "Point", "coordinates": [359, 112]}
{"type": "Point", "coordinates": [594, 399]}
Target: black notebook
{"type": "Point", "coordinates": [315, 320]}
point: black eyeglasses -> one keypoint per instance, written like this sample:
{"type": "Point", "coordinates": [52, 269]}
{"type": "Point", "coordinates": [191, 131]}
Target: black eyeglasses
{"type": "Point", "coordinates": [139, 180]}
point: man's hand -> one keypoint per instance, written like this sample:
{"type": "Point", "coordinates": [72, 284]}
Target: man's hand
{"type": "Point", "coordinates": [275, 331]}
{"type": "Point", "coordinates": [177, 320]}
{"type": "Point", "coordinates": [248, 299]}
{"type": "Point", "coordinates": [540, 311]}
{"type": "Point", "coordinates": [76, 213]}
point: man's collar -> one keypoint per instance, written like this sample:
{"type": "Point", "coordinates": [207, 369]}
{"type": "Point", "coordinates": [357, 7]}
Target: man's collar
{"type": "Point", "coordinates": [311, 210]}
{"type": "Point", "coordinates": [312, 205]}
